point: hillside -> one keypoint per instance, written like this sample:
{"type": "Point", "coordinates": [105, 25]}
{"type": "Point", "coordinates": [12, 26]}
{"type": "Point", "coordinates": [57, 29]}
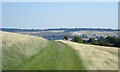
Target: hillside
{"type": "Point", "coordinates": [96, 57]}
{"type": "Point", "coordinates": [24, 52]}
{"type": "Point", "coordinates": [18, 48]}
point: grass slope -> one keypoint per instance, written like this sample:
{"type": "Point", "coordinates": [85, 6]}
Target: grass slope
{"type": "Point", "coordinates": [18, 48]}
{"type": "Point", "coordinates": [96, 57]}
{"type": "Point", "coordinates": [23, 52]}
{"type": "Point", "coordinates": [56, 56]}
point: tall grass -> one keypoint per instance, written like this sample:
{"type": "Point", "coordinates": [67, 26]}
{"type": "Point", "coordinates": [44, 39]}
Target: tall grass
{"type": "Point", "coordinates": [96, 57]}
{"type": "Point", "coordinates": [23, 52]}
{"type": "Point", "coordinates": [18, 48]}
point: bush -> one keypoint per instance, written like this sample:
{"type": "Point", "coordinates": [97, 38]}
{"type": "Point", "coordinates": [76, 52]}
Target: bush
{"type": "Point", "coordinates": [85, 41]}
{"type": "Point", "coordinates": [77, 39]}
{"type": "Point", "coordinates": [117, 43]}
{"type": "Point", "coordinates": [110, 39]}
{"type": "Point", "coordinates": [91, 40]}
{"type": "Point", "coordinates": [66, 37]}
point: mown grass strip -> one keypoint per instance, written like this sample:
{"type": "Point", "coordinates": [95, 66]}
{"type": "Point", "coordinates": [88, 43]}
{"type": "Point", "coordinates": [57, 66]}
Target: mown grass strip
{"type": "Point", "coordinates": [56, 56]}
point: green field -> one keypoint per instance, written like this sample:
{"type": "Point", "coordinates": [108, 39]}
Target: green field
{"type": "Point", "coordinates": [37, 54]}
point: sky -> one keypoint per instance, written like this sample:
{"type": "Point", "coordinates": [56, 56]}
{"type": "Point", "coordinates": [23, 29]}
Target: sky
{"type": "Point", "coordinates": [60, 0]}
{"type": "Point", "coordinates": [44, 15]}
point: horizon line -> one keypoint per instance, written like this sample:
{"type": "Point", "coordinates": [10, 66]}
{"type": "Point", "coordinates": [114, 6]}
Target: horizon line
{"type": "Point", "coordinates": [60, 28]}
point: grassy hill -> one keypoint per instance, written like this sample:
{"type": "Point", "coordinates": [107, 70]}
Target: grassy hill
{"type": "Point", "coordinates": [17, 48]}
{"type": "Point", "coordinates": [24, 52]}
{"type": "Point", "coordinates": [96, 57]}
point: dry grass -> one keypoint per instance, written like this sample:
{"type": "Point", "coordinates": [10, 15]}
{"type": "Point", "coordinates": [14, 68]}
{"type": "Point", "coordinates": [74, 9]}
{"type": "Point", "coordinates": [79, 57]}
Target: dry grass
{"type": "Point", "coordinates": [24, 52]}
{"type": "Point", "coordinates": [96, 57]}
{"type": "Point", "coordinates": [10, 39]}
{"type": "Point", "coordinates": [18, 48]}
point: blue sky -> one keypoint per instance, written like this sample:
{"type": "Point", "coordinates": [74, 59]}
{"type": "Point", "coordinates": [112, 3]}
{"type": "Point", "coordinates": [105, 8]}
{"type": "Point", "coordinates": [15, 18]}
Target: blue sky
{"type": "Point", "coordinates": [60, 14]}
{"type": "Point", "coordinates": [59, 0]}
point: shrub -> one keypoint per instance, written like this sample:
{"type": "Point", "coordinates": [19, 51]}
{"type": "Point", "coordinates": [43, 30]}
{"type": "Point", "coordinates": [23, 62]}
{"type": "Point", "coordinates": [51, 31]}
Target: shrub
{"type": "Point", "coordinates": [77, 39]}
{"type": "Point", "coordinates": [85, 41]}
{"type": "Point", "coordinates": [117, 43]}
{"type": "Point", "coordinates": [111, 39]}
{"type": "Point", "coordinates": [66, 37]}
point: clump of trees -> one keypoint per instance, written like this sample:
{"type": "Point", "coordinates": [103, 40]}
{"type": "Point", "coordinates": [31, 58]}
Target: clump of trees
{"type": "Point", "coordinates": [117, 43]}
{"type": "Point", "coordinates": [77, 39]}
{"type": "Point", "coordinates": [92, 41]}
{"type": "Point", "coordinates": [108, 41]}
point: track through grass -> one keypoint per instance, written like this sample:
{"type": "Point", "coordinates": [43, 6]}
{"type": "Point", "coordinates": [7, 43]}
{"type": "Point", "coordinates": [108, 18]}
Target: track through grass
{"type": "Point", "coordinates": [56, 56]}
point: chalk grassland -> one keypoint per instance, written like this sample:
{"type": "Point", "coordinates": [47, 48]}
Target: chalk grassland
{"type": "Point", "coordinates": [96, 57]}
{"type": "Point", "coordinates": [56, 56]}
{"type": "Point", "coordinates": [24, 52]}
{"type": "Point", "coordinates": [18, 48]}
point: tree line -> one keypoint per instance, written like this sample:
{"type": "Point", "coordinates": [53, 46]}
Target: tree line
{"type": "Point", "coordinates": [108, 41]}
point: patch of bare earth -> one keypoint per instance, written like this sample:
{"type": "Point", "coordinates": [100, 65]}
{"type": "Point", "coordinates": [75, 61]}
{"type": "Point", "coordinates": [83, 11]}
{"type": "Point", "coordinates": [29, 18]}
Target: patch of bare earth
{"type": "Point", "coordinates": [96, 57]}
